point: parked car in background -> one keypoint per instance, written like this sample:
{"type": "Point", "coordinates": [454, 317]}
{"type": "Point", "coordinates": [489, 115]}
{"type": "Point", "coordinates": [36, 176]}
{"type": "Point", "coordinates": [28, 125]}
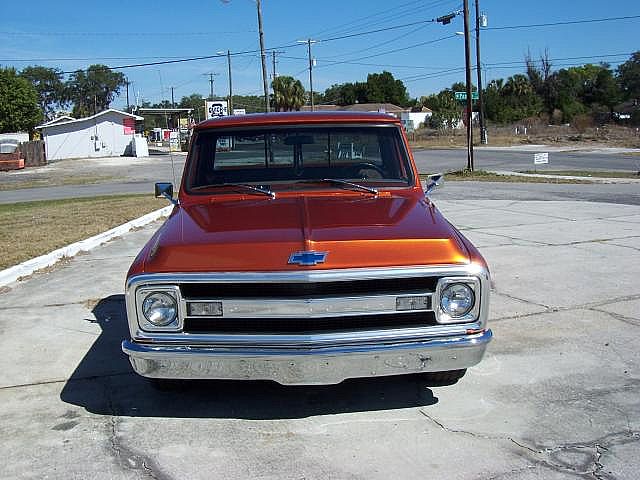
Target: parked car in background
{"type": "Point", "coordinates": [8, 145]}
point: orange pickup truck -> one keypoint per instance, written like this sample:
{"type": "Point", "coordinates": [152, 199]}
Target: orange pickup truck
{"type": "Point", "coordinates": [303, 249]}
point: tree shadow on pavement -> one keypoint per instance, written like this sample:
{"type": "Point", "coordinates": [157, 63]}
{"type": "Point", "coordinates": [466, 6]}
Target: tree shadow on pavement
{"type": "Point", "coordinates": [104, 383]}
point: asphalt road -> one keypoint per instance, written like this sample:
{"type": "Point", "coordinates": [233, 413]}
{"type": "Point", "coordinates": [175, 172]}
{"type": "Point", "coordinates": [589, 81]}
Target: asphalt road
{"type": "Point", "coordinates": [431, 161]}
{"type": "Point", "coordinates": [130, 175]}
{"type": "Point", "coordinates": [628, 194]}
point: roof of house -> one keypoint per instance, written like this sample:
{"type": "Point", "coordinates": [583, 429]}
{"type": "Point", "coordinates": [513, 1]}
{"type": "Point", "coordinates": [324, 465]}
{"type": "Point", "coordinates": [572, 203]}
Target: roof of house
{"type": "Point", "coordinates": [56, 121]}
{"type": "Point", "coordinates": [321, 108]}
{"type": "Point", "coordinates": [60, 119]}
{"type": "Point", "coordinates": [359, 107]}
{"type": "Point", "coordinates": [420, 110]}
{"type": "Point", "coordinates": [374, 107]}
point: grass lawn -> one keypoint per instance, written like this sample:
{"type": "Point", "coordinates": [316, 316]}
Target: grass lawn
{"type": "Point", "coordinates": [31, 229]}
{"type": "Point", "coordinates": [18, 184]}
{"type": "Point", "coordinates": [482, 176]}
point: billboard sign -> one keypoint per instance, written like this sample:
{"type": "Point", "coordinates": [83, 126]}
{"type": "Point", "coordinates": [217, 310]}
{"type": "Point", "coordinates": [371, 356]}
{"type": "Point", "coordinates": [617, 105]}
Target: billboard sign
{"type": "Point", "coordinates": [216, 108]}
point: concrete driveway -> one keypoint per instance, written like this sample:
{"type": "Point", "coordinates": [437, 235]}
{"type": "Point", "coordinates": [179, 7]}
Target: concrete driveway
{"type": "Point", "coordinates": [557, 396]}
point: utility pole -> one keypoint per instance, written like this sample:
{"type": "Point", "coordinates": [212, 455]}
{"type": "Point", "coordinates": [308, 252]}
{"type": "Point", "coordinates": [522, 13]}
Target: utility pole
{"type": "Point", "coordinates": [173, 103]}
{"type": "Point", "coordinates": [211, 75]}
{"type": "Point", "coordinates": [230, 98]}
{"type": "Point", "coordinates": [263, 58]}
{"type": "Point", "coordinates": [273, 58]}
{"type": "Point", "coordinates": [127, 84]}
{"type": "Point", "coordinates": [483, 128]}
{"type": "Point", "coordinates": [469, 110]}
{"type": "Point", "coordinates": [230, 102]}
{"type": "Point", "coordinates": [274, 63]}
{"type": "Point", "coordinates": [308, 41]}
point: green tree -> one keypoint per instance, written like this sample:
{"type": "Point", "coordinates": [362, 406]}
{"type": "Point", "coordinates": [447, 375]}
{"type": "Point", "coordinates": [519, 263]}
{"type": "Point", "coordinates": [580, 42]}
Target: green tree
{"type": "Point", "coordinates": [19, 109]}
{"type": "Point", "coordinates": [494, 103]}
{"type": "Point", "coordinates": [346, 93]}
{"type": "Point", "coordinates": [520, 99]}
{"type": "Point", "coordinates": [541, 81]}
{"type": "Point", "coordinates": [49, 85]}
{"type": "Point", "coordinates": [93, 90]}
{"type": "Point", "coordinates": [251, 103]}
{"type": "Point", "coordinates": [601, 89]}
{"type": "Point", "coordinates": [288, 94]}
{"type": "Point", "coordinates": [384, 88]}
{"type": "Point", "coordinates": [447, 111]}
{"type": "Point", "coordinates": [511, 101]}
{"type": "Point", "coordinates": [196, 102]}
{"type": "Point", "coordinates": [629, 77]}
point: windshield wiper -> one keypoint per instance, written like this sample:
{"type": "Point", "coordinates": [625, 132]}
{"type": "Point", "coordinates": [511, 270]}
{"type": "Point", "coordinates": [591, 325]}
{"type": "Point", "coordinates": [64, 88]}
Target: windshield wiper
{"type": "Point", "coordinates": [263, 191]}
{"type": "Point", "coordinates": [336, 181]}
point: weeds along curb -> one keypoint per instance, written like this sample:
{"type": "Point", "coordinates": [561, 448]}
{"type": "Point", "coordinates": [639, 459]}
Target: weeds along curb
{"type": "Point", "coordinates": [23, 269]}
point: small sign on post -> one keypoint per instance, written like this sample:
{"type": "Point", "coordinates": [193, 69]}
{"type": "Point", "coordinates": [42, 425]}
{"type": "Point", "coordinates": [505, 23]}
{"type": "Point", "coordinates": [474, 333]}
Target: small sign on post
{"type": "Point", "coordinates": [540, 159]}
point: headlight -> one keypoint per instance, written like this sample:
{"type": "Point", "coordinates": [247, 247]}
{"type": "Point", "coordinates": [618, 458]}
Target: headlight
{"type": "Point", "coordinates": [457, 299]}
{"type": "Point", "coordinates": [160, 308]}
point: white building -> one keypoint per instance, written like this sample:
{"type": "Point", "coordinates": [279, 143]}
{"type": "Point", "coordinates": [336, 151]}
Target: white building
{"type": "Point", "coordinates": [109, 133]}
{"type": "Point", "coordinates": [418, 118]}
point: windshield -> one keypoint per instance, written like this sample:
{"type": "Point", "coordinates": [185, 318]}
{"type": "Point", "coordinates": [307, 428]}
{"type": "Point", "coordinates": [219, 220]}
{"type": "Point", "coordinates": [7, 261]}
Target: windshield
{"type": "Point", "coordinates": [285, 155]}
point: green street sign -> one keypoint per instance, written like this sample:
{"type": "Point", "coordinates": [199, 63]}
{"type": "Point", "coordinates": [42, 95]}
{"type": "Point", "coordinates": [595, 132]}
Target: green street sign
{"type": "Point", "coordinates": [462, 96]}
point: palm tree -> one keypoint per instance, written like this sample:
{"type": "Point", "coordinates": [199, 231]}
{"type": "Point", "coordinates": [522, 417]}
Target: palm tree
{"type": "Point", "coordinates": [288, 94]}
{"type": "Point", "coordinates": [519, 86]}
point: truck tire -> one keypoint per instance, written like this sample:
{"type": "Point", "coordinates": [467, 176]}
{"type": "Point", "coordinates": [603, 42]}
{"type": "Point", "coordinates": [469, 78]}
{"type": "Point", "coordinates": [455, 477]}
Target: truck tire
{"type": "Point", "coordinates": [441, 379]}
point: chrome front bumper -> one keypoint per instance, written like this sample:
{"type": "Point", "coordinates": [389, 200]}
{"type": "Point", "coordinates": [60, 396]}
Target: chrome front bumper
{"type": "Point", "coordinates": [306, 365]}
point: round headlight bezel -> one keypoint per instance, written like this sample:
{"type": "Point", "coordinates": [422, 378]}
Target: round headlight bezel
{"type": "Point", "coordinates": [444, 313]}
{"type": "Point", "coordinates": [160, 308]}
{"type": "Point", "coordinates": [172, 299]}
{"type": "Point", "coordinates": [454, 295]}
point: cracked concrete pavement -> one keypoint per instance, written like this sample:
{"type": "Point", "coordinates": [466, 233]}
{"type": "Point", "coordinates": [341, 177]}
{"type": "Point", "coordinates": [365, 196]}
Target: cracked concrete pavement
{"type": "Point", "coordinates": [556, 397]}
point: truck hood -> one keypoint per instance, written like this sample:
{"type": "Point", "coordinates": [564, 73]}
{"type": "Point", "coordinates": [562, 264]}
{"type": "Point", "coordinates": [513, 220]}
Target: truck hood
{"type": "Point", "coordinates": [260, 234]}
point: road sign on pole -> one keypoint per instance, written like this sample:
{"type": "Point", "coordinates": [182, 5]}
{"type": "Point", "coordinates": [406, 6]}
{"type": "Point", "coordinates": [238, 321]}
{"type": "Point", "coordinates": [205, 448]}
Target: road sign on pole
{"type": "Point", "coordinates": [462, 96]}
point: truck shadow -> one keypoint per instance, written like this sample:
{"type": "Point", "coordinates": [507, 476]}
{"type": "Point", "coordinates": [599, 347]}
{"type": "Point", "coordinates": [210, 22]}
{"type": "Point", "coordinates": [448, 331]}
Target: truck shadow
{"type": "Point", "coordinates": [104, 383]}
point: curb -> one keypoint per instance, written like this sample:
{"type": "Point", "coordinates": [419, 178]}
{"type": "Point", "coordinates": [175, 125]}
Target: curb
{"type": "Point", "coordinates": [23, 269]}
{"type": "Point", "coordinates": [607, 180]}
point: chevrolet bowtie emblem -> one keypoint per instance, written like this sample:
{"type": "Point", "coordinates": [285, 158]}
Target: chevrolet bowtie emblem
{"type": "Point", "coordinates": [307, 258]}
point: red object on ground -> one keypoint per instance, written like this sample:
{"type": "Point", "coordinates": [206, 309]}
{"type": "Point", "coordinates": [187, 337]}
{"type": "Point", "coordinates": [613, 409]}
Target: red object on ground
{"type": "Point", "coordinates": [11, 161]}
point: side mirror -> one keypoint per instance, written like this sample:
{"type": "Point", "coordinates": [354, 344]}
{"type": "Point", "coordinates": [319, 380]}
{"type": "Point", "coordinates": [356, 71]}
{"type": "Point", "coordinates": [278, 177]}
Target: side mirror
{"type": "Point", "coordinates": [435, 180]}
{"type": "Point", "coordinates": [165, 190]}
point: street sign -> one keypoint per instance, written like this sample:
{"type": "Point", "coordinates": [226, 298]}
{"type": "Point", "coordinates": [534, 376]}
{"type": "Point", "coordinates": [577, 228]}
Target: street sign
{"type": "Point", "coordinates": [462, 96]}
{"type": "Point", "coordinates": [540, 158]}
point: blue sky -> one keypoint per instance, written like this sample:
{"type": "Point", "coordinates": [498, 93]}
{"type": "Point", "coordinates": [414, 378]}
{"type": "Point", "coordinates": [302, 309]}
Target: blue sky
{"type": "Point", "coordinates": [74, 34]}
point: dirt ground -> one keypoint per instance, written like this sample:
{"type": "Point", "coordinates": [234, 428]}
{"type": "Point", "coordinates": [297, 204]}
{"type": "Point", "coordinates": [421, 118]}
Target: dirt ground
{"type": "Point", "coordinates": [555, 135]}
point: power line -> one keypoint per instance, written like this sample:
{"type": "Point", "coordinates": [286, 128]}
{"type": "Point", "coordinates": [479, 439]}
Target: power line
{"type": "Point", "coordinates": [386, 42]}
{"type": "Point", "coordinates": [343, 37]}
{"type": "Point", "coordinates": [389, 51]}
{"type": "Point", "coordinates": [378, 30]}
{"type": "Point", "coordinates": [121, 34]}
{"type": "Point", "coordinates": [209, 57]}
{"type": "Point", "coordinates": [359, 23]}
{"type": "Point", "coordinates": [567, 22]}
